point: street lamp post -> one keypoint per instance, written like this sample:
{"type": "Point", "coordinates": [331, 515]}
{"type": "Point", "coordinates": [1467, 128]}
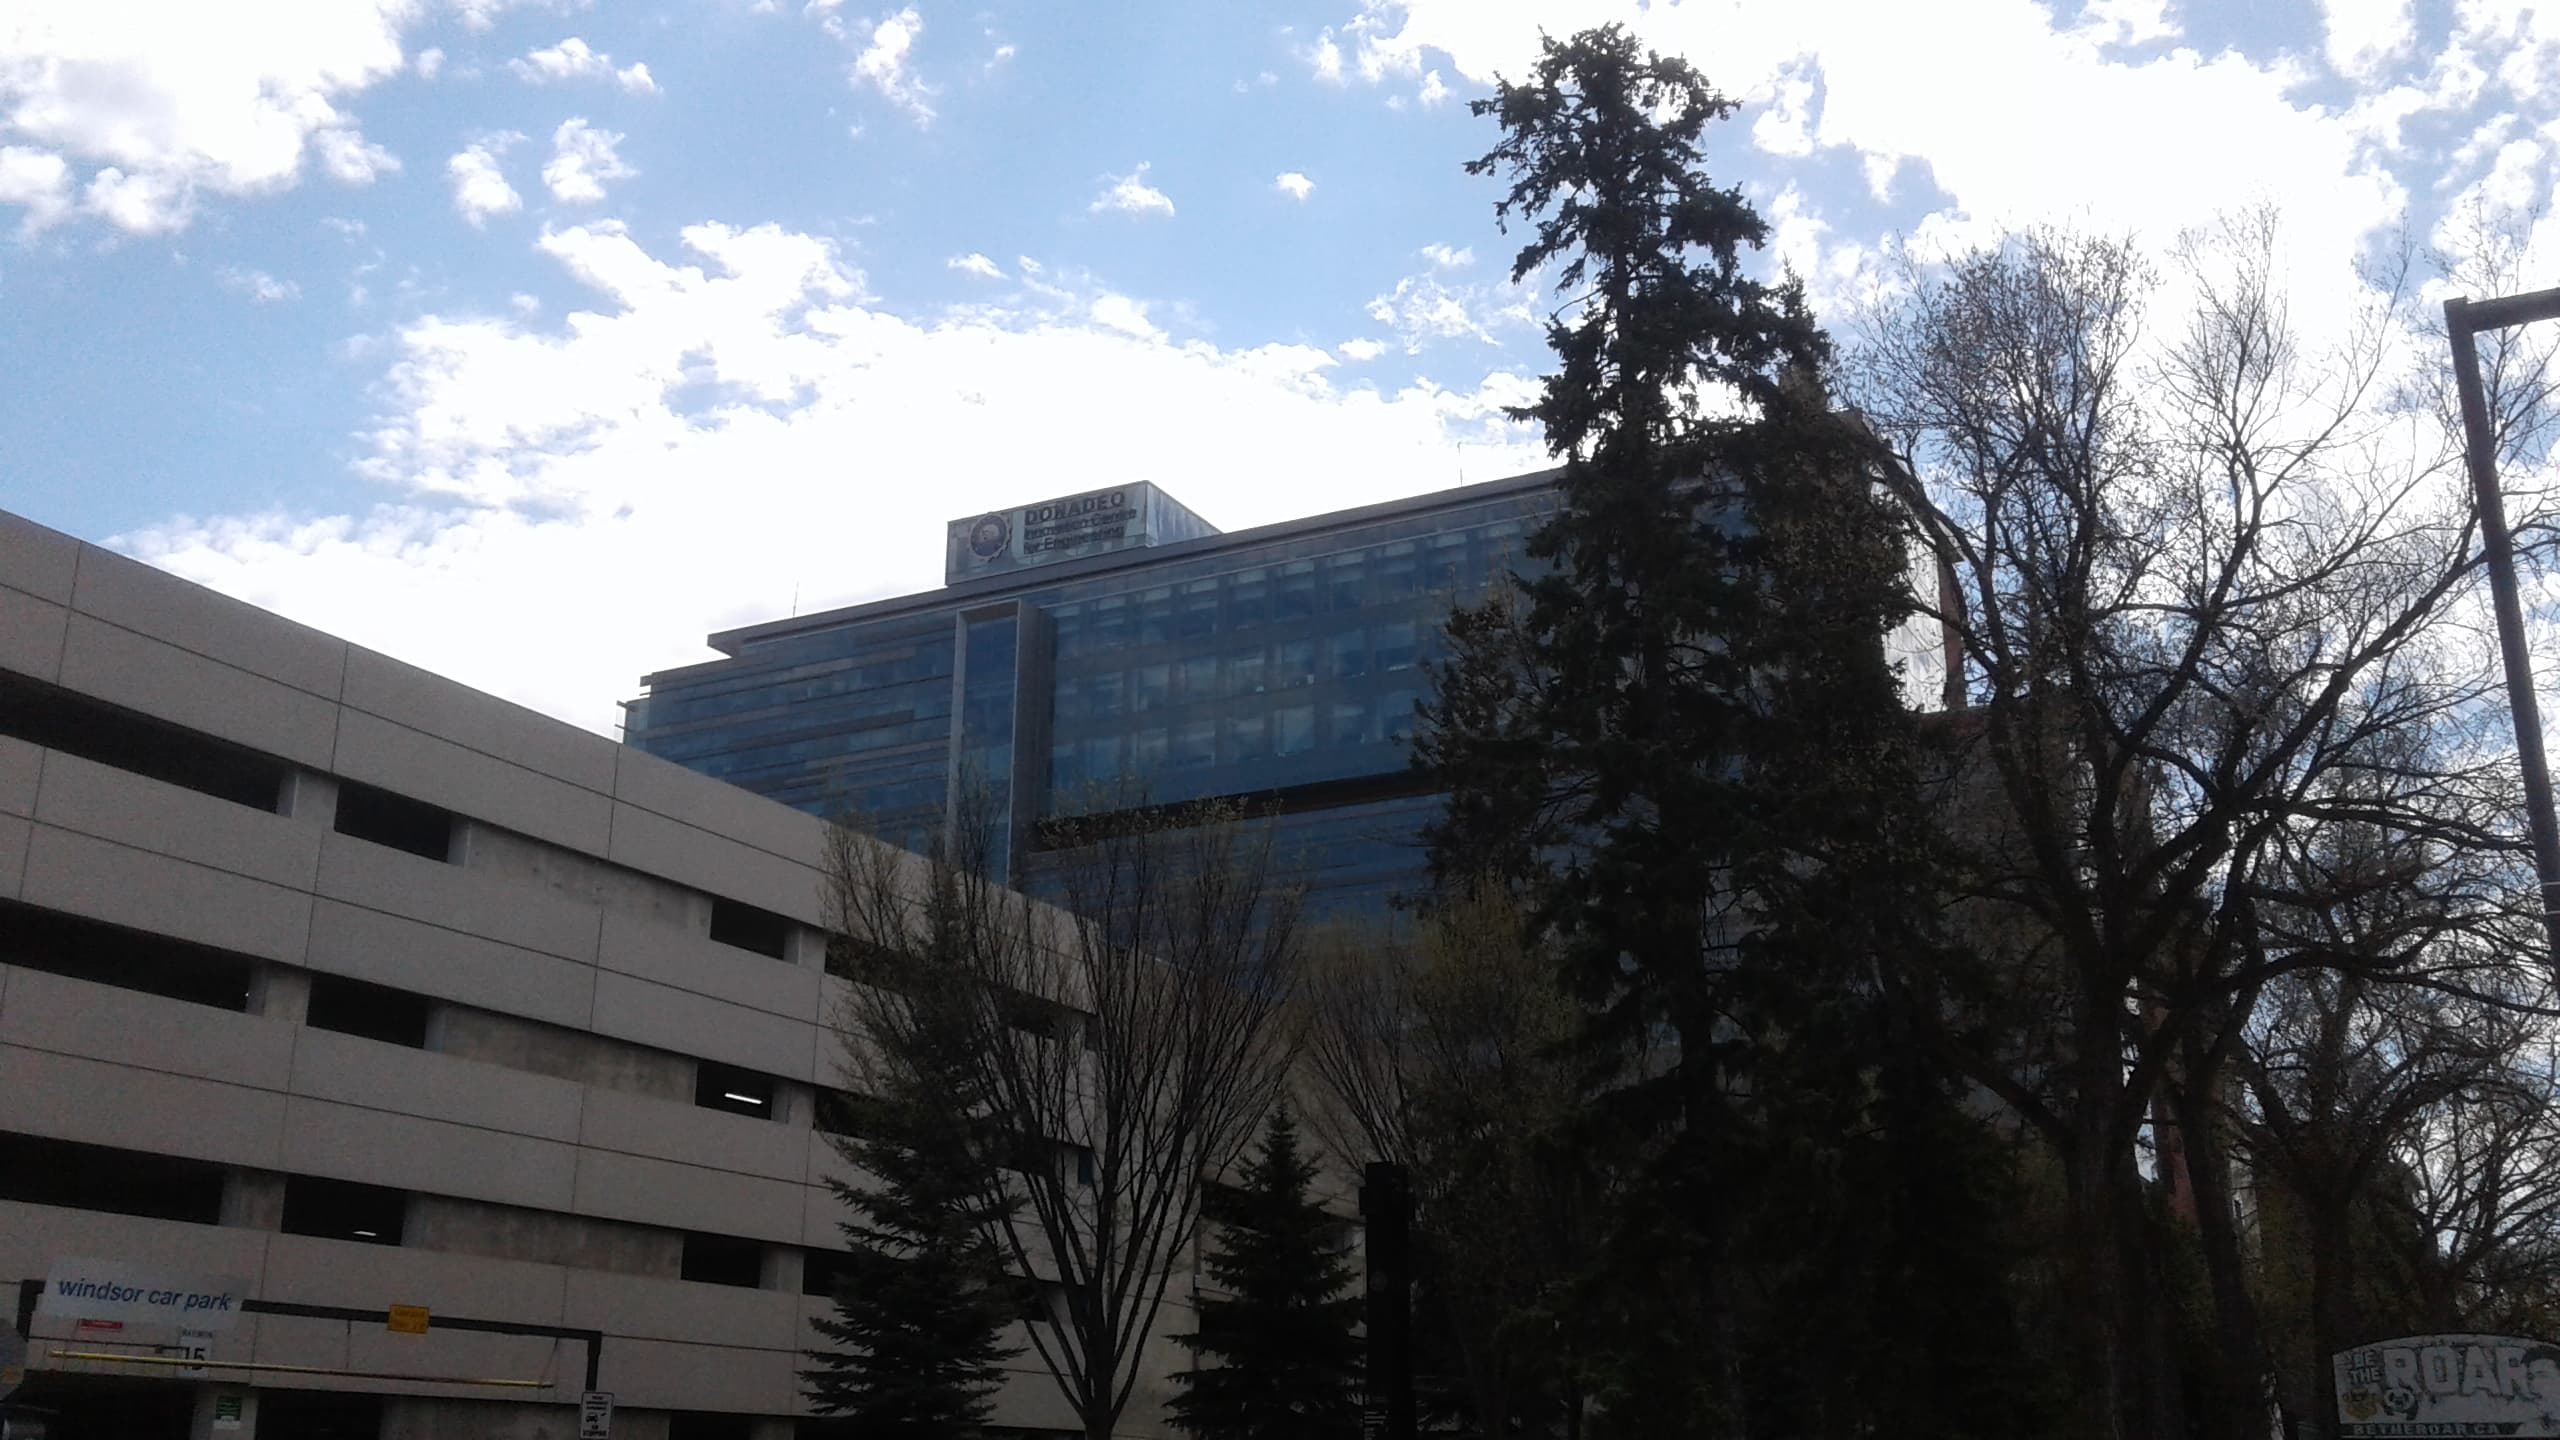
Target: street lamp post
{"type": "Point", "coordinates": [2463, 320]}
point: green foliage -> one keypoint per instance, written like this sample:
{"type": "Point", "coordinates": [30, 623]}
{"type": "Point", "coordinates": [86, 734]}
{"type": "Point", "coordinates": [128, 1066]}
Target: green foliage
{"type": "Point", "coordinates": [1287, 1363]}
{"type": "Point", "coordinates": [1682, 742]}
{"type": "Point", "coordinates": [925, 1295]}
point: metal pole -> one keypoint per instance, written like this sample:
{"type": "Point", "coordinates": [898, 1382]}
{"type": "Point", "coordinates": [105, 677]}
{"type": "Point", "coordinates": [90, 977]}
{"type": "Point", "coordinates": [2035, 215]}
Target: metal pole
{"type": "Point", "coordinates": [1386, 1205]}
{"type": "Point", "coordinates": [2462, 321]}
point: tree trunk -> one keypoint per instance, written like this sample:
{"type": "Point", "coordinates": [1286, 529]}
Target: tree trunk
{"type": "Point", "coordinates": [2330, 1322]}
{"type": "Point", "coordinates": [2123, 1357]}
{"type": "Point", "coordinates": [2235, 1403]}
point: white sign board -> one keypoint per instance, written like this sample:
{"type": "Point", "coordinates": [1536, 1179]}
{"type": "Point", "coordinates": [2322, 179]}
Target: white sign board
{"type": "Point", "coordinates": [595, 1415]}
{"type": "Point", "coordinates": [195, 1345]}
{"type": "Point", "coordinates": [2449, 1385]}
{"type": "Point", "coordinates": [140, 1295]}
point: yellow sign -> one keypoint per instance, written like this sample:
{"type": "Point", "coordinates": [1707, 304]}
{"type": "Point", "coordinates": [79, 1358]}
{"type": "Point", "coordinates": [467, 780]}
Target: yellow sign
{"type": "Point", "coordinates": [408, 1320]}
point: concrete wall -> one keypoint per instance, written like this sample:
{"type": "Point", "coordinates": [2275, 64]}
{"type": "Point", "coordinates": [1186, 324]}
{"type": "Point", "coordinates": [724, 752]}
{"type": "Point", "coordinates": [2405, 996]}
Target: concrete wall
{"type": "Point", "coordinates": [546, 1135]}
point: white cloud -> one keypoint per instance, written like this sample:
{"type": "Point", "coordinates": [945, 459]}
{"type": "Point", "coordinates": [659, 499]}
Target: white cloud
{"type": "Point", "coordinates": [190, 100]}
{"type": "Point", "coordinates": [1425, 308]}
{"type": "Point", "coordinates": [480, 187]}
{"type": "Point", "coordinates": [1784, 125]}
{"type": "Point", "coordinates": [2364, 35]}
{"type": "Point", "coordinates": [1362, 349]}
{"type": "Point", "coordinates": [535, 467]}
{"type": "Point", "coordinates": [1294, 185]}
{"type": "Point", "coordinates": [1126, 316]}
{"type": "Point", "coordinates": [2126, 22]}
{"type": "Point", "coordinates": [1434, 91]}
{"type": "Point", "coordinates": [351, 159]}
{"type": "Point", "coordinates": [975, 264]}
{"type": "Point", "coordinates": [1444, 258]}
{"type": "Point", "coordinates": [1326, 59]}
{"type": "Point", "coordinates": [1130, 194]}
{"type": "Point", "coordinates": [148, 202]}
{"type": "Point", "coordinates": [429, 62]}
{"type": "Point", "coordinates": [37, 181]}
{"type": "Point", "coordinates": [883, 65]}
{"type": "Point", "coordinates": [1866, 78]}
{"type": "Point", "coordinates": [574, 59]}
{"type": "Point", "coordinates": [258, 285]}
{"type": "Point", "coordinates": [583, 158]}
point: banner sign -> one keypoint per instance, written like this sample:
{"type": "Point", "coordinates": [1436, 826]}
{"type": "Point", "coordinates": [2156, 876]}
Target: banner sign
{"type": "Point", "coordinates": [2427, 1385]}
{"type": "Point", "coordinates": [140, 1294]}
{"type": "Point", "coordinates": [1093, 523]}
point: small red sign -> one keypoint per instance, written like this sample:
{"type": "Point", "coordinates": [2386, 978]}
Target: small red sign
{"type": "Point", "coordinates": [94, 1326]}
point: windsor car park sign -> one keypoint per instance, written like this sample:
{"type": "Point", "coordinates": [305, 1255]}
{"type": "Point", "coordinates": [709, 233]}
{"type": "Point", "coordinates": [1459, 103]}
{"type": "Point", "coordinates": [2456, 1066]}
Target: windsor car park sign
{"type": "Point", "coordinates": [2428, 1385]}
{"type": "Point", "coordinates": [111, 1290]}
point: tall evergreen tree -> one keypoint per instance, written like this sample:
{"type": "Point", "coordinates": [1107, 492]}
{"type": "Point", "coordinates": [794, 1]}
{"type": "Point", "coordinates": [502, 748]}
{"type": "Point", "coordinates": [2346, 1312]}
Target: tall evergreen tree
{"type": "Point", "coordinates": [924, 1296]}
{"type": "Point", "coordinates": [1682, 738]}
{"type": "Point", "coordinates": [1287, 1364]}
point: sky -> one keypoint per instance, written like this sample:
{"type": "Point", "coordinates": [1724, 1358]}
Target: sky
{"type": "Point", "coordinates": [533, 340]}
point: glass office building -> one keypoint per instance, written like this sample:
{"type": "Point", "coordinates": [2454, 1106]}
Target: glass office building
{"type": "Point", "coordinates": [1112, 637]}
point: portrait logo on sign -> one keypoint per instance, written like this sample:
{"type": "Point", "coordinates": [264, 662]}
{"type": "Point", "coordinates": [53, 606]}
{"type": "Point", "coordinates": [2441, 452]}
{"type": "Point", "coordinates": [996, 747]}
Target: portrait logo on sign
{"type": "Point", "coordinates": [989, 536]}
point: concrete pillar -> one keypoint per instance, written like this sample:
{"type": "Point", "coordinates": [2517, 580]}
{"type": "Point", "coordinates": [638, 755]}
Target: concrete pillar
{"type": "Point", "coordinates": [214, 1420]}
{"type": "Point", "coordinates": [783, 1265]}
{"type": "Point", "coordinates": [793, 1104]}
{"type": "Point", "coordinates": [309, 797]}
{"type": "Point", "coordinates": [280, 992]}
{"type": "Point", "coordinates": [807, 948]}
{"type": "Point", "coordinates": [253, 1199]}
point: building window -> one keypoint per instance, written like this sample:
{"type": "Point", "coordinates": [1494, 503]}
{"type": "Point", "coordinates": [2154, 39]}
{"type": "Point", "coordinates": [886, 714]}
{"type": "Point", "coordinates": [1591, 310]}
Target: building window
{"type": "Point", "coordinates": [376, 1012]}
{"type": "Point", "coordinates": [1147, 751]}
{"type": "Point", "coordinates": [367, 813]}
{"type": "Point", "coordinates": [1398, 708]}
{"type": "Point", "coordinates": [1347, 654]}
{"type": "Point", "coordinates": [1102, 696]}
{"type": "Point", "coordinates": [726, 1087]}
{"type": "Point", "coordinates": [1196, 617]}
{"type": "Point", "coordinates": [1200, 678]}
{"type": "Point", "coordinates": [1150, 688]}
{"type": "Point", "coordinates": [1395, 648]}
{"type": "Point", "coordinates": [37, 1171]}
{"type": "Point", "coordinates": [343, 1210]}
{"type": "Point", "coordinates": [1295, 595]}
{"type": "Point", "coordinates": [1195, 743]}
{"type": "Point", "coordinates": [1293, 729]}
{"type": "Point", "coordinates": [1351, 723]}
{"type": "Point", "coordinates": [60, 944]}
{"type": "Point", "coordinates": [1346, 578]}
{"type": "Point", "coordinates": [1248, 739]}
{"type": "Point", "coordinates": [723, 1260]}
{"type": "Point", "coordinates": [1293, 663]}
{"type": "Point", "coordinates": [749, 928]}
{"type": "Point", "coordinates": [74, 724]}
{"type": "Point", "coordinates": [1244, 672]}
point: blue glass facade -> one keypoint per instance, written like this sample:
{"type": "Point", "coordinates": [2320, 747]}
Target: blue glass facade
{"type": "Point", "coordinates": [1282, 663]}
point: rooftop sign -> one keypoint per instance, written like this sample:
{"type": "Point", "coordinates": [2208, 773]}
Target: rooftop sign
{"type": "Point", "coordinates": [1067, 528]}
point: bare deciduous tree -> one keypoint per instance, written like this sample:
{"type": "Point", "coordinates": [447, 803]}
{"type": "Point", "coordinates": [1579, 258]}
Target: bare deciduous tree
{"type": "Point", "coordinates": [1451, 1051]}
{"type": "Point", "coordinates": [1126, 1042]}
{"type": "Point", "coordinates": [2204, 573]}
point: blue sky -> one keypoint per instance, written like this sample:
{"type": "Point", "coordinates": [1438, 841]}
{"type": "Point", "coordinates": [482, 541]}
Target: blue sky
{"type": "Point", "coordinates": [532, 341]}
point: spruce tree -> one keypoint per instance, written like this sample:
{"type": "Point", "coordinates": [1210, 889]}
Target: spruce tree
{"type": "Point", "coordinates": [925, 1295]}
{"type": "Point", "coordinates": [1682, 740]}
{"type": "Point", "coordinates": [1286, 1363]}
